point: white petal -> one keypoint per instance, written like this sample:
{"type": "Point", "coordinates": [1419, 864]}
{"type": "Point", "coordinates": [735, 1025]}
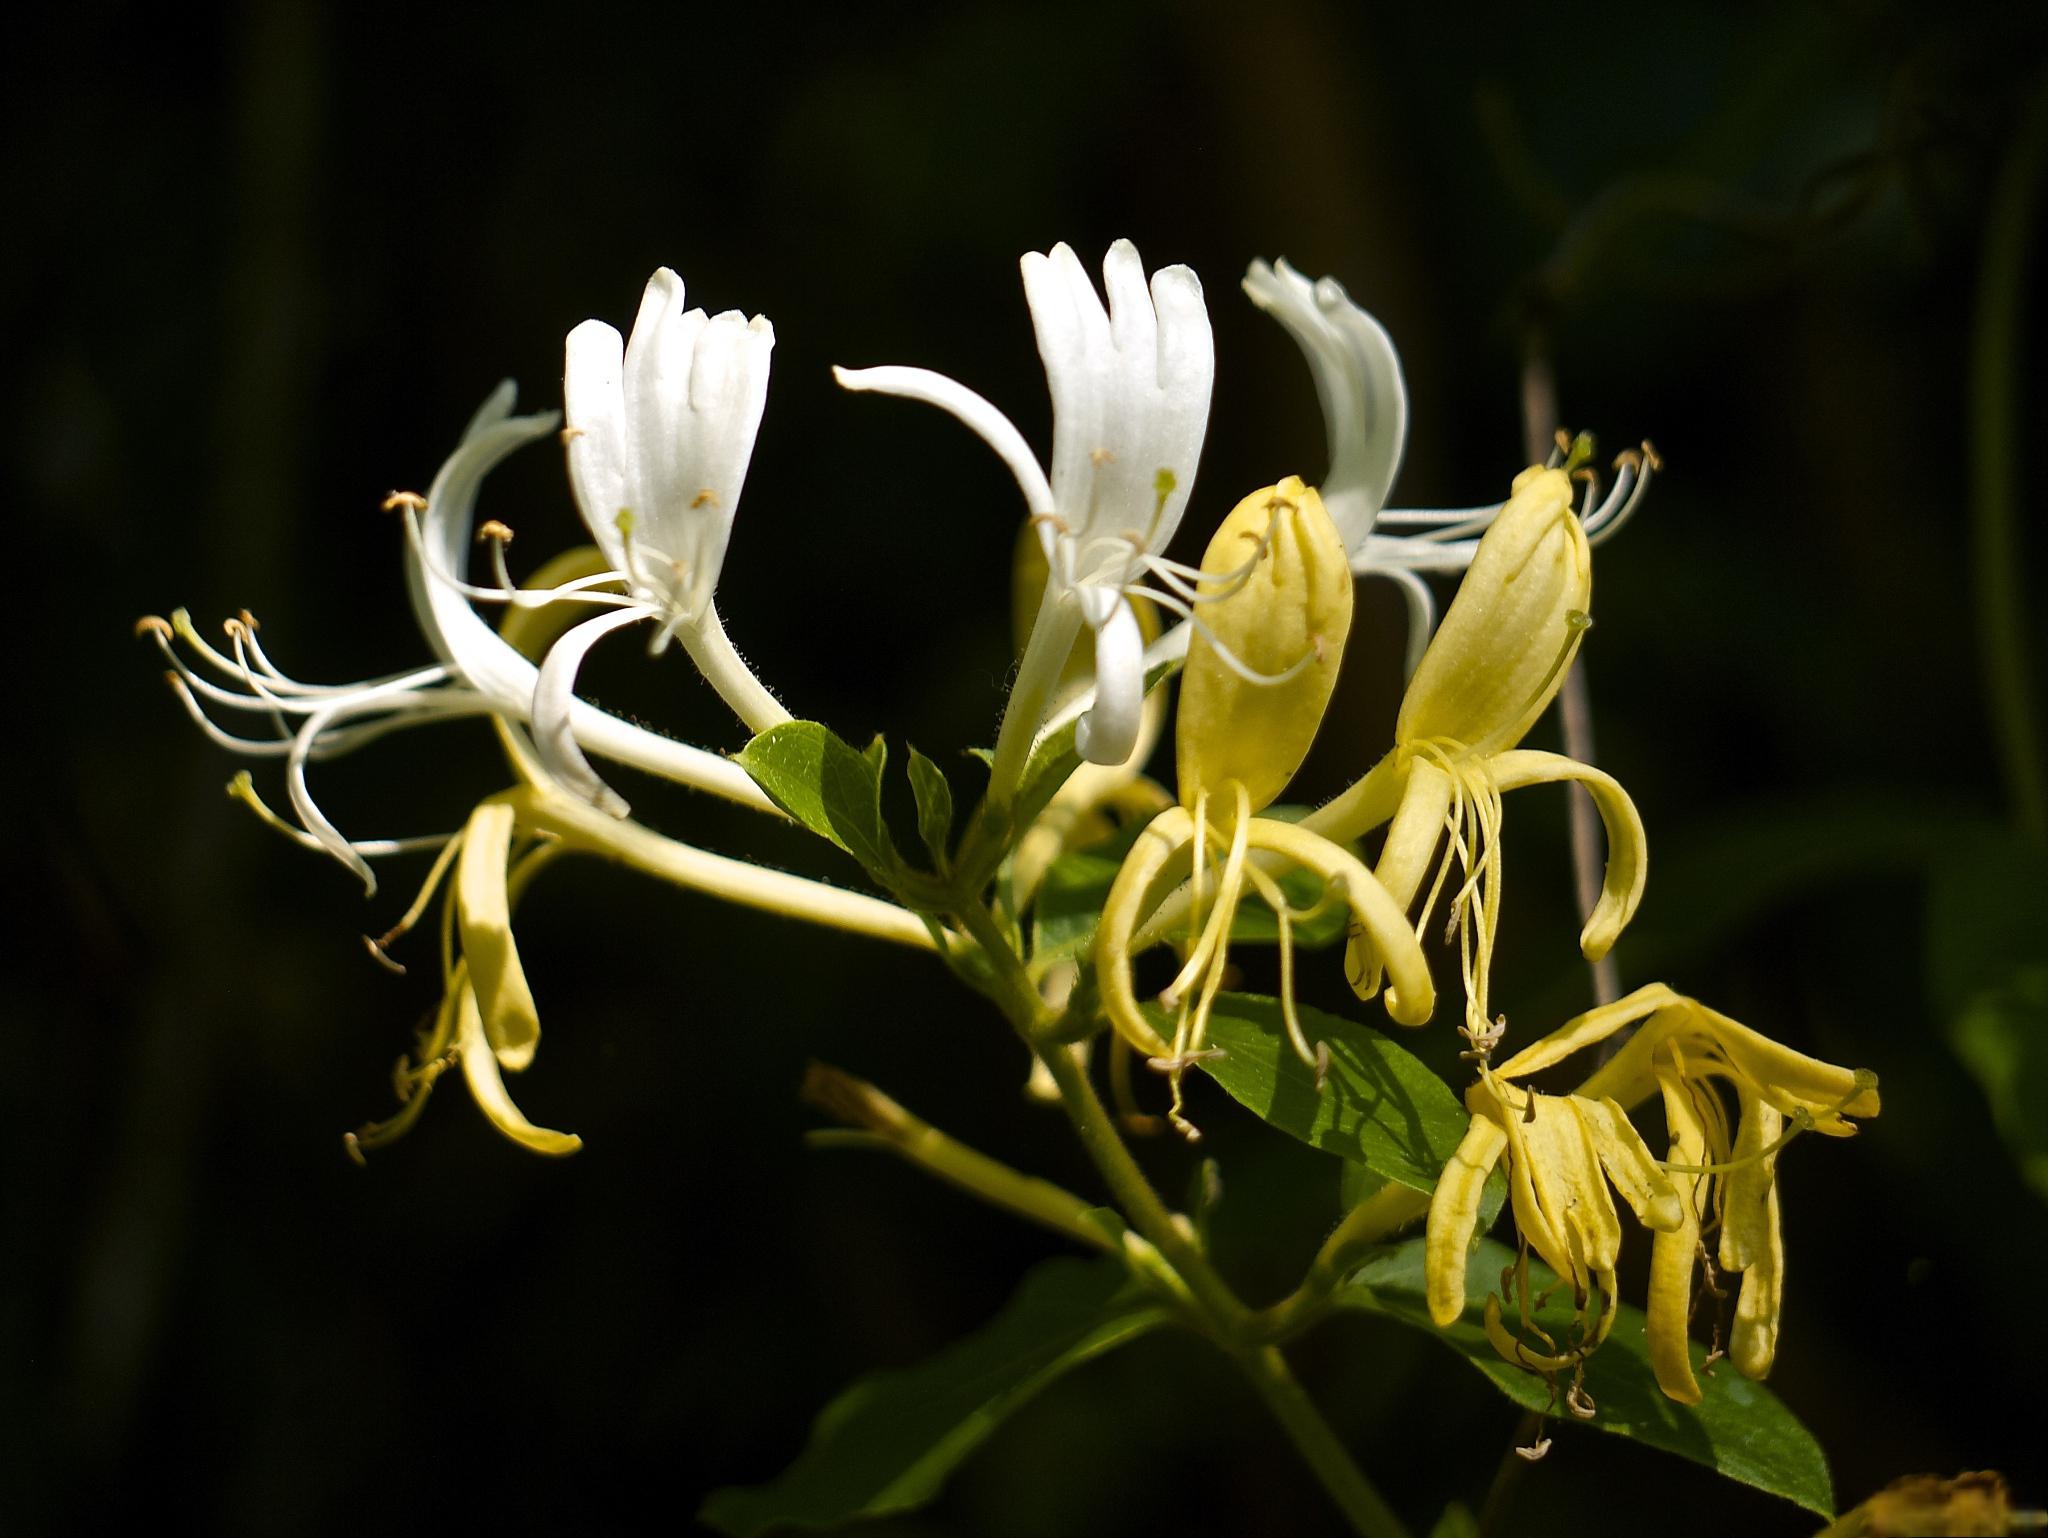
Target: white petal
{"type": "Point", "coordinates": [1108, 732]}
{"type": "Point", "coordinates": [484, 659]}
{"type": "Point", "coordinates": [593, 397]}
{"type": "Point", "coordinates": [987, 423]}
{"type": "Point", "coordinates": [1358, 382]}
{"type": "Point", "coordinates": [554, 698]}
{"type": "Point", "coordinates": [1130, 388]}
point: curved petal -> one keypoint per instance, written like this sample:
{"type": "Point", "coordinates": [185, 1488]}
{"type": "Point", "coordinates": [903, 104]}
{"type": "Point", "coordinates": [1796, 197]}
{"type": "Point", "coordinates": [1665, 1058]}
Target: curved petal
{"type": "Point", "coordinates": [1358, 382]}
{"type": "Point", "coordinates": [1628, 848]}
{"type": "Point", "coordinates": [554, 699]}
{"type": "Point", "coordinates": [1132, 893]}
{"type": "Point", "coordinates": [1584, 1030]}
{"type": "Point", "coordinates": [981, 418]}
{"type": "Point", "coordinates": [1109, 730]}
{"type": "Point", "coordinates": [1672, 1254]}
{"type": "Point", "coordinates": [1412, 997]}
{"type": "Point", "coordinates": [483, 911]}
{"type": "Point", "coordinates": [480, 1068]}
{"type": "Point", "coordinates": [1454, 1215]}
{"type": "Point", "coordinates": [491, 665]}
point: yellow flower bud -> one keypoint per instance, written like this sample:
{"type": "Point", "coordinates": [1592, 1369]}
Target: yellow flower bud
{"type": "Point", "coordinates": [1277, 598]}
{"type": "Point", "coordinates": [1512, 629]}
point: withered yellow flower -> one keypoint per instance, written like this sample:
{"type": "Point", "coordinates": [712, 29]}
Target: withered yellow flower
{"type": "Point", "coordinates": [1561, 1153]}
{"type": "Point", "coordinates": [1262, 662]}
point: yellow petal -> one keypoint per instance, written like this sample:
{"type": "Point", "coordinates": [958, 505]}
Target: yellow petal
{"type": "Point", "coordinates": [484, 915]}
{"type": "Point", "coordinates": [1454, 1214]}
{"type": "Point", "coordinates": [1532, 1217]}
{"type": "Point", "coordinates": [1134, 893]}
{"type": "Point", "coordinates": [1566, 1174]}
{"type": "Point", "coordinates": [1412, 996]}
{"type": "Point", "coordinates": [1672, 1255]}
{"type": "Point", "coordinates": [1628, 849]}
{"type": "Point", "coordinates": [1779, 1072]}
{"type": "Point", "coordinates": [1751, 1239]}
{"type": "Point", "coordinates": [1405, 859]}
{"type": "Point", "coordinates": [1286, 617]}
{"type": "Point", "coordinates": [1753, 1337]}
{"type": "Point", "coordinates": [1629, 1164]}
{"type": "Point", "coordinates": [1507, 639]}
{"type": "Point", "coordinates": [480, 1067]}
{"type": "Point", "coordinates": [1582, 1031]}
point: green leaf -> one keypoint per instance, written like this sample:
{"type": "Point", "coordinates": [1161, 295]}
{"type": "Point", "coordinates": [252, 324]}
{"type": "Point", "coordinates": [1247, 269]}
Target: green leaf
{"type": "Point", "coordinates": [1740, 1429]}
{"type": "Point", "coordinates": [887, 1443]}
{"type": "Point", "coordinates": [1381, 1106]}
{"type": "Point", "coordinates": [828, 787]}
{"type": "Point", "coordinates": [2002, 1037]}
{"type": "Point", "coordinates": [934, 807]}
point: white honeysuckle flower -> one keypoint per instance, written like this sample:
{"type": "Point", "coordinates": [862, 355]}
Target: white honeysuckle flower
{"type": "Point", "coordinates": [1364, 399]}
{"type": "Point", "coordinates": [1130, 385]}
{"type": "Point", "coordinates": [660, 430]}
{"type": "Point", "coordinates": [478, 674]}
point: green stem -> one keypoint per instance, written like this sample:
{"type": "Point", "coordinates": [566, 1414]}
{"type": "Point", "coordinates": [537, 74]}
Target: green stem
{"type": "Point", "coordinates": [888, 1125]}
{"type": "Point", "coordinates": [1216, 1310]}
{"type": "Point", "coordinates": [1134, 1192]}
{"type": "Point", "coordinates": [1996, 405]}
{"type": "Point", "coordinates": [1371, 1221]}
{"type": "Point", "coordinates": [1362, 1505]}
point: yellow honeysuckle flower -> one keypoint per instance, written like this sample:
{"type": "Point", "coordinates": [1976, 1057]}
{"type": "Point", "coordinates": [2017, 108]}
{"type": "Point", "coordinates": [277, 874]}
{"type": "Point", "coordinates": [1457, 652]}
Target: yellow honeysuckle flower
{"type": "Point", "coordinates": [486, 1021]}
{"type": "Point", "coordinates": [1498, 660]}
{"type": "Point", "coordinates": [1261, 664]}
{"type": "Point", "coordinates": [1563, 1151]}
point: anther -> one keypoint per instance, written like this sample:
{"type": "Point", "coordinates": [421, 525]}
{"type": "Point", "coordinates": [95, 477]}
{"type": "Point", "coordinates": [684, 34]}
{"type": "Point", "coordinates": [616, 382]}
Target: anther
{"type": "Point", "coordinates": [1535, 1451]}
{"type": "Point", "coordinates": [156, 627]}
{"type": "Point", "coordinates": [491, 528]}
{"type": "Point", "coordinates": [354, 1149]}
{"type": "Point", "coordinates": [248, 620]}
{"type": "Point", "coordinates": [569, 435]}
{"type": "Point", "coordinates": [1185, 1060]}
{"type": "Point", "coordinates": [410, 501]}
{"type": "Point", "coordinates": [1322, 1065]}
{"type": "Point", "coordinates": [1579, 1402]}
{"type": "Point", "coordinates": [705, 498]}
{"type": "Point", "coordinates": [1101, 457]}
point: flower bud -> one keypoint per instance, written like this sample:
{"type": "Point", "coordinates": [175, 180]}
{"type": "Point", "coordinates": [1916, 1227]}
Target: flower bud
{"type": "Point", "coordinates": [1513, 628]}
{"type": "Point", "coordinates": [1276, 598]}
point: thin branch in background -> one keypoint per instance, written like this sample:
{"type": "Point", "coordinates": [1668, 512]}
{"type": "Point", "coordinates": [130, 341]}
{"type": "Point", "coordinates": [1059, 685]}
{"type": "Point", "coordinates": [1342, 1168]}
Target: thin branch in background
{"type": "Point", "coordinates": [1575, 706]}
{"type": "Point", "coordinates": [1995, 408]}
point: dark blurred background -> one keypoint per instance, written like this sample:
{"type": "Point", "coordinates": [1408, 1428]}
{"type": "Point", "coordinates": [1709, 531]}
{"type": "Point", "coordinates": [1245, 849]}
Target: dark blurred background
{"type": "Point", "coordinates": [262, 262]}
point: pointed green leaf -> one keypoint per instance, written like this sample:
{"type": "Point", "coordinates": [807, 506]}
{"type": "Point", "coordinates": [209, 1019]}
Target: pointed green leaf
{"type": "Point", "coordinates": [1740, 1429]}
{"type": "Point", "coordinates": [1381, 1106]}
{"type": "Point", "coordinates": [828, 787]}
{"type": "Point", "coordinates": [934, 807]}
{"type": "Point", "coordinates": [888, 1443]}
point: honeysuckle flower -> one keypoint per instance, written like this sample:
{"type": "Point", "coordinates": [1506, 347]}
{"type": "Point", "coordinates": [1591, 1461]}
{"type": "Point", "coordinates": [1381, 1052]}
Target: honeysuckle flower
{"type": "Point", "coordinates": [486, 1023]}
{"type": "Point", "coordinates": [477, 673]}
{"type": "Point", "coordinates": [1257, 682]}
{"type": "Point", "coordinates": [660, 431]}
{"type": "Point", "coordinates": [1130, 388]}
{"type": "Point", "coordinates": [1364, 399]}
{"type": "Point", "coordinates": [1558, 1148]}
{"type": "Point", "coordinates": [1495, 664]}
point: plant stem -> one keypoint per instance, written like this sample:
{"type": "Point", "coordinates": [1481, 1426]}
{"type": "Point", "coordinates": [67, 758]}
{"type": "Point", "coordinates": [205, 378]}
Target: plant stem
{"type": "Point", "coordinates": [1387, 1209]}
{"type": "Point", "coordinates": [1214, 1308]}
{"type": "Point", "coordinates": [888, 1125]}
{"type": "Point", "coordinates": [1362, 1505]}
{"type": "Point", "coordinates": [1135, 1195]}
{"type": "Point", "coordinates": [1998, 568]}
